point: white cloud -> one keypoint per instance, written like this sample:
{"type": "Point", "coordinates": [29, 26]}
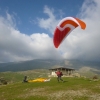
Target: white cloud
{"type": "Point", "coordinates": [15, 46]}
{"type": "Point", "coordinates": [49, 23]}
{"type": "Point", "coordinates": [80, 44]}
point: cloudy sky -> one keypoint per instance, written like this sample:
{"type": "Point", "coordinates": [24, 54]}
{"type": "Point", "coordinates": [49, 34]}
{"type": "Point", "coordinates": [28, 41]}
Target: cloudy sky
{"type": "Point", "coordinates": [27, 28]}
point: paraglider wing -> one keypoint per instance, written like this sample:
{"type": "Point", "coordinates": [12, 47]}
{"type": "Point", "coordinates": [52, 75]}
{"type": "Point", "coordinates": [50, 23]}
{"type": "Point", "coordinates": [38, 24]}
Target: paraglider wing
{"type": "Point", "coordinates": [64, 27]}
{"type": "Point", "coordinates": [39, 80]}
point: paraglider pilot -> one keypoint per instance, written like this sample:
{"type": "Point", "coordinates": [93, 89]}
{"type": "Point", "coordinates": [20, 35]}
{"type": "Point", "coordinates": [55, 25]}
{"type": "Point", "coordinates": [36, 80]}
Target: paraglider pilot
{"type": "Point", "coordinates": [59, 75]}
{"type": "Point", "coordinates": [25, 79]}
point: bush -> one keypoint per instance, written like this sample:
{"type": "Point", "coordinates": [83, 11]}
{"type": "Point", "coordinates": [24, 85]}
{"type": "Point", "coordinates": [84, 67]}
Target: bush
{"type": "Point", "coordinates": [3, 82]}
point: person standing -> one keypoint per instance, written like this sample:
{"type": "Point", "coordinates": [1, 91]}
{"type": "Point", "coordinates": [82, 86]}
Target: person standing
{"type": "Point", "coordinates": [59, 75]}
{"type": "Point", "coordinates": [25, 79]}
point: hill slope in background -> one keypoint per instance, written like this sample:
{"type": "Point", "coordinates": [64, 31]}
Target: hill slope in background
{"type": "Point", "coordinates": [46, 64]}
{"type": "Point", "coordinates": [29, 65]}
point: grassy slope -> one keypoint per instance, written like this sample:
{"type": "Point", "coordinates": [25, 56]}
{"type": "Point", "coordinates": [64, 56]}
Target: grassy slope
{"type": "Point", "coordinates": [13, 77]}
{"type": "Point", "coordinates": [72, 89]}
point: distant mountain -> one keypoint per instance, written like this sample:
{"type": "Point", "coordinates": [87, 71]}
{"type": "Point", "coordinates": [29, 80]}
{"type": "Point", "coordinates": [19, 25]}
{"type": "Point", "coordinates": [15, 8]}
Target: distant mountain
{"type": "Point", "coordinates": [89, 72]}
{"type": "Point", "coordinates": [29, 65]}
{"type": "Point", "coordinates": [46, 64]}
{"type": "Point", "coordinates": [79, 64]}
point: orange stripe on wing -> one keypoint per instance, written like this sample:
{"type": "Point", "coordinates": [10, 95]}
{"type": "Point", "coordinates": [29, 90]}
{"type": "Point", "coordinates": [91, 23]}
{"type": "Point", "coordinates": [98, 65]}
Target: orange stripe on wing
{"type": "Point", "coordinates": [68, 22]}
{"type": "Point", "coordinates": [82, 24]}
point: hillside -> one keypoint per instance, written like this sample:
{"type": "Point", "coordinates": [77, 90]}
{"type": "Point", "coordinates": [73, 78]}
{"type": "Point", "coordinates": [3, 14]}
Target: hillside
{"type": "Point", "coordinates": [46, 64]}
{"type": "Point", "coordinates": [29, 65]}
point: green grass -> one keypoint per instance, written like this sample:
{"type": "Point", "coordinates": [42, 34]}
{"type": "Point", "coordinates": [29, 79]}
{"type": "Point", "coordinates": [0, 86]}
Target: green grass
{"type": "Point", "coordinates": [13, 77]}
{"type": "Point", "coordinates": [72, 89]}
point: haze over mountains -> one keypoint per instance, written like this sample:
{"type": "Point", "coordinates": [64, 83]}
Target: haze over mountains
{"type": "Point", "coordinates": [46, 64]}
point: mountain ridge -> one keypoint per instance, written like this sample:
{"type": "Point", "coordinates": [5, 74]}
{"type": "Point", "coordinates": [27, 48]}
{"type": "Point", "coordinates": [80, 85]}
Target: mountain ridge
{"type": "Point", "coordinates": [46, 64]}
